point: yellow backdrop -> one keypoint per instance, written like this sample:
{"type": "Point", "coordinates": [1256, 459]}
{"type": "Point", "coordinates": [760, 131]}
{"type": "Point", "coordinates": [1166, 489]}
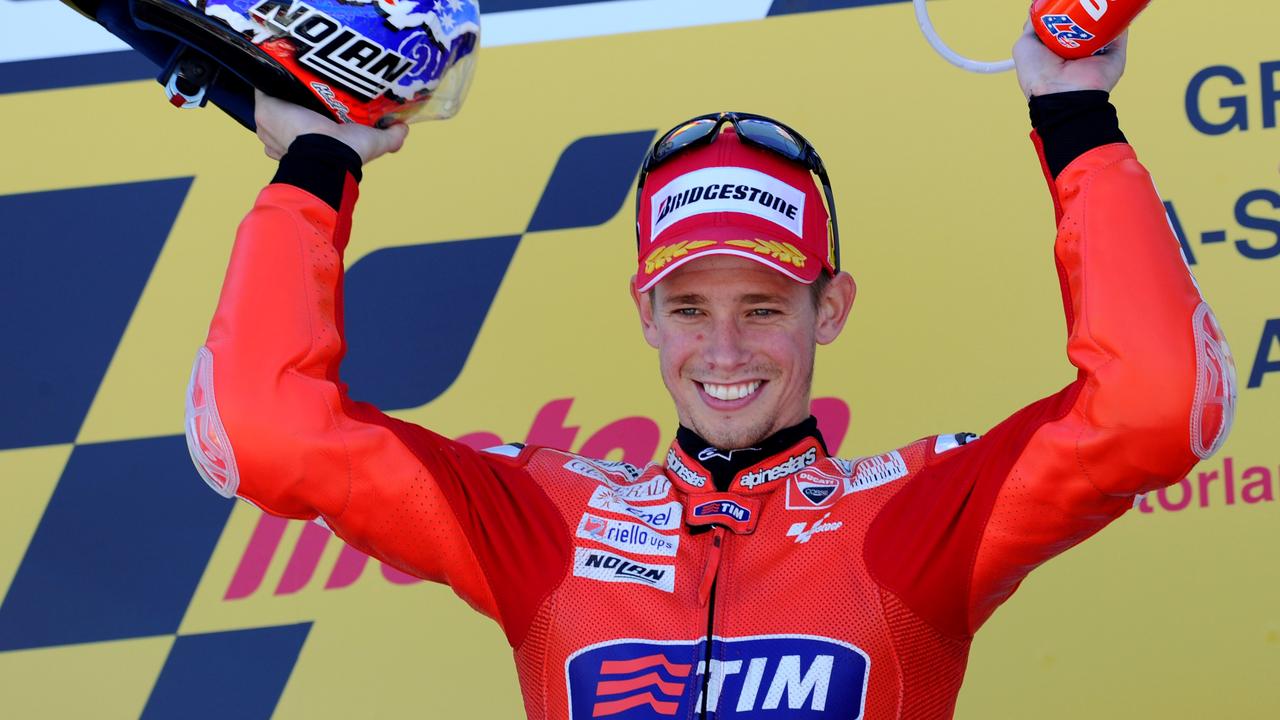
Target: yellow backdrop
{"type": "Point", "coordinates": [1172, 612]}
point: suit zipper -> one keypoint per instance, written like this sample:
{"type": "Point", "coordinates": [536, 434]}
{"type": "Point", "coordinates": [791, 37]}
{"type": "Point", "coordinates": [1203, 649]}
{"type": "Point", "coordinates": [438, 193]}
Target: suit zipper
{"type": "Point", "coordinates": [707, 596]}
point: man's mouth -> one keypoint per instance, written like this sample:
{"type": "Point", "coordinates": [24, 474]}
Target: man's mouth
{"type": "Point", "coordinates": [731, 392]}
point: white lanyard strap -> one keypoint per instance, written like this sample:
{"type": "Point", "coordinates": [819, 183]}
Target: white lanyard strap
{"type": "Point", "coordinates": [926, 27]}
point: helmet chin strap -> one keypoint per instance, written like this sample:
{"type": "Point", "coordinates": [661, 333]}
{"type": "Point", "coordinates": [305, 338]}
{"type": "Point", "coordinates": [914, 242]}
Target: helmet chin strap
{"type": "Point", "coordinates": [953, 57]}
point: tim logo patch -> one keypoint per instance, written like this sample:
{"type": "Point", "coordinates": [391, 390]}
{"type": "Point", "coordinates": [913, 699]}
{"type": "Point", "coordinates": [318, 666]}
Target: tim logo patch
{"type": "Point", "coordinates": [769, 676]}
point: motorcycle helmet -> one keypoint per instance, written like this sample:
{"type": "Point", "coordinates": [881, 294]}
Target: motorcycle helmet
{"type": "Point", "coordinates": [372, 62]}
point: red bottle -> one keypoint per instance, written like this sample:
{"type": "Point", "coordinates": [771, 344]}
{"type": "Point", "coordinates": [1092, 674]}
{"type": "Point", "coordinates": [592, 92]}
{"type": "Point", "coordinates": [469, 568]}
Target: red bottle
{"type": "Point", "coordinates": [1080, 28]}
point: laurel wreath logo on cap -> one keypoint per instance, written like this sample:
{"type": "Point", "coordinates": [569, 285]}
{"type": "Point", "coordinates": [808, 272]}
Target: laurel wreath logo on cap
{"type": "Point", "coordinates": [781, 251]}
{"type": "Point", "coordinates": [663, 255]}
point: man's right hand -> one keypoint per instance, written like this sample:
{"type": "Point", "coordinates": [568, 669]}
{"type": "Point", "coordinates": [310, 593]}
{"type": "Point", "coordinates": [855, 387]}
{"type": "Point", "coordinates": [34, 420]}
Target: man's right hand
{"type": "Point", "coordinates": [1042, 72]}
{"type": "Point", "coordinates": [280, 123]}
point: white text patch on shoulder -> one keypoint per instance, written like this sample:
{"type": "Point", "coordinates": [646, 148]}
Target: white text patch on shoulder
{"type": "Point", "coordinates": [875, 471]}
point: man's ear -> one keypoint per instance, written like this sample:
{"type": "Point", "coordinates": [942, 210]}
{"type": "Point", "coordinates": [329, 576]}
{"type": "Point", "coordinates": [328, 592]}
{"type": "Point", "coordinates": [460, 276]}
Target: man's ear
{"type": "Point", "coordinates": [834, 306]}
{"type": "Point", "coordinates": [644, 305]}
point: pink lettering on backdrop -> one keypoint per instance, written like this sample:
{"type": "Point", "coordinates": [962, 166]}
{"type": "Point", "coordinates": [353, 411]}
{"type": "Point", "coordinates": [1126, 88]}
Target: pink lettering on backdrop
{"type": "Point", "coordinates": [303, 561]}
{"type": "Point", "coordinates": [398, 577]}
{"type": "Point", "coordinates": [548, 428]}
{"type": "Point", "coordinates": [257, 556]}
{"type": "Point", "coordinates": [833, 421]}
{"type": "Point", "coordinates": [637, 437]}
{"type": "Point", "coordinates": [480, 440]}
{"type": "Point", "coordinates": [1205, 479]}
{"type": "Point", "coordinates": [347, 569]}
{"type": "Point", "coordinates": [1184, 486]}
{"type": "Point", "coordinates": [1259, 490]}
{"type": "Point", "coordinates": [1229, 475]}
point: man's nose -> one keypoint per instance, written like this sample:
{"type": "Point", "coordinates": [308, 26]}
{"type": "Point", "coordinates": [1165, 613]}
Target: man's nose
{"type": "Point", "coordinates": [725, 345]}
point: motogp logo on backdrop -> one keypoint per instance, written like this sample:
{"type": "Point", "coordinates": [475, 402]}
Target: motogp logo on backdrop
{"type": "Point", "coordinates": [1068, 33]}
{"type": "Point", "coordinates": [768, 676]}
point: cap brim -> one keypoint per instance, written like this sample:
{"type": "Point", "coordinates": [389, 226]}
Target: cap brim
{"type": "Point", "coordinates": [778, 254]}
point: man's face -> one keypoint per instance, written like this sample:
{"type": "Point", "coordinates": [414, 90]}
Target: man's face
{"type": "Point", "coordinates": [736, 345]}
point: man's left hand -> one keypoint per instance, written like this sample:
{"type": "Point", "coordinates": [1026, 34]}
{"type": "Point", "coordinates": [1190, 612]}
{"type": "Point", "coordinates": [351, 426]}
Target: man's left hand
{"type": "Point", "coordinates": [1042, 72]}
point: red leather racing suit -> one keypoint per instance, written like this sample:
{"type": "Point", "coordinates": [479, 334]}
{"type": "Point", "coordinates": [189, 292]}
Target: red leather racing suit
{"type": "Point", "coordinates": [814, 587]}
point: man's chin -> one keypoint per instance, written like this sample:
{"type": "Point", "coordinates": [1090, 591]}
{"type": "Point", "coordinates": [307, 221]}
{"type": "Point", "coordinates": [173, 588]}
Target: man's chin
{"type": "Point", "coordinates": [733, 435]}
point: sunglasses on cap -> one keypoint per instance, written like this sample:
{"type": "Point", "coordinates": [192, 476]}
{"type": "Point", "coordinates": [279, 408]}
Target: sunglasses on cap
{"type": "Point", "coordinates": [757, 130]}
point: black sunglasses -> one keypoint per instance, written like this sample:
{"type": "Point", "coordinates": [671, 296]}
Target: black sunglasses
{"type": "Point", "coordinates": [753, 129]}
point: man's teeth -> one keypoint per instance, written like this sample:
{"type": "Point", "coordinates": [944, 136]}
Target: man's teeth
{"type": "Point", "coordinates": [731, 392]}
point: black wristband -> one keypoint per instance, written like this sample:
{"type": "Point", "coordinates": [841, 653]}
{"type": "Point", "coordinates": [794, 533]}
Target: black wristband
{"type": "Point", "coordinates": [1071, 124]}
{"type": "Point", "coordinates": [319, 164]}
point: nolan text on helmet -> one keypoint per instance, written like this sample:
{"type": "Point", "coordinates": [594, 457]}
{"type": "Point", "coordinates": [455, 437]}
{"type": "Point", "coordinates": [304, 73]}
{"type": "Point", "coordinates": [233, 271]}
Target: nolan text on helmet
{"type": "Point", "coordinates": [334, 50]}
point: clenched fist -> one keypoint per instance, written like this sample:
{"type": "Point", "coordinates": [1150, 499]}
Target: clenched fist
{"type": "Point", "coordinates": [1042, 72]}
{"type": "Point", "coordinates": [280, 123]}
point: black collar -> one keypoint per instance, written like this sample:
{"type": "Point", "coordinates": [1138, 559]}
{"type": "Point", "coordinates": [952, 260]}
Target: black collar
{"type": "Point", "coordinates": [786, 448]}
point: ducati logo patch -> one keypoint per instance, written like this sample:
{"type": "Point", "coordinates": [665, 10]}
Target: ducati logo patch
{"type": "Point", "coordinates": [812, 489]}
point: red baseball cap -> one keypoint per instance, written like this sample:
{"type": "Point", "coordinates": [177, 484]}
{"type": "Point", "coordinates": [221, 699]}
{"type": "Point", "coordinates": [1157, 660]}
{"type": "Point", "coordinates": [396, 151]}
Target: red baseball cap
{"type": "Point", "coordinates": [732, 198]}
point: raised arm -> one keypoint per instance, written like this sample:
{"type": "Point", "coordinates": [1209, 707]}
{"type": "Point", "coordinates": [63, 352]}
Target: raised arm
{"type": "Point", "coordinates": [269, 421]}
{"type": "Point", "coordinates": [1153, 396]}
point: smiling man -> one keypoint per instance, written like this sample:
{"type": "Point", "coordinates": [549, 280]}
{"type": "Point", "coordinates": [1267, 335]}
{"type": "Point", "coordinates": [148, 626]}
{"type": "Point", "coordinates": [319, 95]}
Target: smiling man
{"type": "Point", "coordinates": [737, 281]}
{"type": "Point", "coordinates": [666, 591]}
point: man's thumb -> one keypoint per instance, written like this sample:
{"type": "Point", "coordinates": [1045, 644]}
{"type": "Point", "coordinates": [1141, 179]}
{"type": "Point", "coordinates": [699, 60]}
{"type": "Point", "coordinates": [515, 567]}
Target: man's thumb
{"type": "Point", "coordinates": [395, 135]}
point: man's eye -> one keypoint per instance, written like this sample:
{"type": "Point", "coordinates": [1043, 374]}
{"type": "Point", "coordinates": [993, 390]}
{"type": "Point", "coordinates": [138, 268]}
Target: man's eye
{"type": "Point", "coordinates": [762, 312]}
{"type": "Point", "coordinates": [686, 312]}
